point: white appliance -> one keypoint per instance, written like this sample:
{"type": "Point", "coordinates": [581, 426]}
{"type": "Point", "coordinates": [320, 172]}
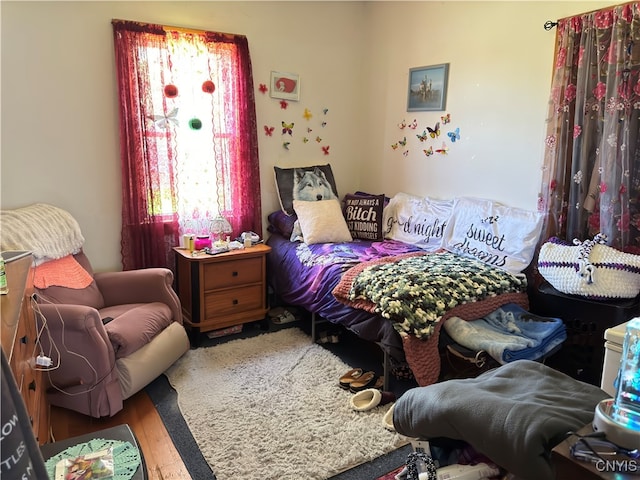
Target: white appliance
{"type": "Point", "coordinates": [614, 338]}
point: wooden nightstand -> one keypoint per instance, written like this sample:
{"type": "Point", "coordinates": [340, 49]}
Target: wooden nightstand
{"type": "Point", "coordinates": [218, 291]}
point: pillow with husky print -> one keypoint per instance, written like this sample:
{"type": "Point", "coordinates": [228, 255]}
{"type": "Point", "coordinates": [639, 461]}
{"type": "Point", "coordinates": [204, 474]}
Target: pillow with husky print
{"type": "Point", "coordinates": [363, 214]}
{"type": "Point", "coordinates": [322, 221]}
{"type": "Point", "coordinates": [307, 184]}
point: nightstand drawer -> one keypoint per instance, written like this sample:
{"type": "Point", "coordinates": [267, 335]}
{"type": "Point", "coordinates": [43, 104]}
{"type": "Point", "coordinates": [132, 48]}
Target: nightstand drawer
{"type": "Point", "coordinates": [239, 299]}
{"type": "Point", "coordinates": [232, 273]}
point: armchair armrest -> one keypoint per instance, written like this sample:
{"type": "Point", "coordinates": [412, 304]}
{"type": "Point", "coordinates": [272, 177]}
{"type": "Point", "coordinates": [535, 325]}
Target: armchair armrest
{"type": "Point", "coordinates": [75, 339]}
{"type": "Point", "coordinates": [140, 286]}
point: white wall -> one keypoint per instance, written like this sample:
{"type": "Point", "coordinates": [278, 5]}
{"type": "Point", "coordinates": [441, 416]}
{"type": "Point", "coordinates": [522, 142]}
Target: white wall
{"type": "Point", "coordinates": [500, 60]}
{"type": "Point", "coordinates": [59, 103]}
{"type": "Point", "coordinates": [59, 122]}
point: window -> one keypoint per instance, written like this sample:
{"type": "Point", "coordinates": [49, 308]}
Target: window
{"type": "Point", "coordinates": [188, 137]}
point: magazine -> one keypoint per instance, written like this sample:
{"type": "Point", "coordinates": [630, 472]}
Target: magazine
{"type": "Point", "coordinates": [92, 466]}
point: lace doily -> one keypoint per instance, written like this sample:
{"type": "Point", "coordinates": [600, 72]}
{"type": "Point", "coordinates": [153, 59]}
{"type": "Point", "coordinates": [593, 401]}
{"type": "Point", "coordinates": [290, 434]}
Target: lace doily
{"type": "Point", "coordinates": [126, 457]}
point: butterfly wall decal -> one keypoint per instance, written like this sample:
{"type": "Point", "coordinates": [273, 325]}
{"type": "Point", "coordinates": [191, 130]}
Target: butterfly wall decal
{"type": "Point", "coordinates": [307, 114]}
{"type": "Point", "coordinates": [283, 104]}
{"type": "Point", "coordinates": [403, 142]}
{"type": "Point", "coordinates": [422, 136]}
{"type": "Point", "coordinates": [318, 139]}
{"type": "Point", "coordinates": [402, 124]}
{"type": "Point", "coordinates": [428, 152]}
{"type": "Point", "coordinates": [263, 88]}
{"type": "Point", "coordinates": [268, 130]}
{"type": "Point", "coordinates": [435, 131]}
{"type": "Point", "coordinates": [446, 119]}
{"type": "Point", "coordinates": [413, 125]}
{"type": "Point", "coordinates": [287, 128]}
{"type": "Point", "coordinates": [455, 135]}
{"type": "Point", "coordinates": [325, 149]}
{"type": "Point", "coordinates": [325, 110]}
{"type": "Point", "coordinates": [305, 140]}
{"type": "Point", "coordinates": [164, 121]}
{"type": "Point", "coordinates": [405, 153]}
{"type": "Point", "coordinates": [394, 146]}
{"type": "Point", "coordinates": [444, 150]}
{"type": "Point", "coordinates": [286, 145]}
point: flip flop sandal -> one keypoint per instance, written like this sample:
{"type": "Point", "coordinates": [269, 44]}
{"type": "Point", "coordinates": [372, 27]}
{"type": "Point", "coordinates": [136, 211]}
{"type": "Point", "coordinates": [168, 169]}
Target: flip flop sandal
{"type": "Point", "coordinates": [366, 380]}
{"type": "Point", "coordinates": [284, 317]}
{"type": "Point", "coordinates": [379, 383]}
{"type": "Point", "coordinates": [350, 376]}
{"type": "Point", "coordinates": [275, 312]}
{"type": "Point", "coordinates": [323, 338]}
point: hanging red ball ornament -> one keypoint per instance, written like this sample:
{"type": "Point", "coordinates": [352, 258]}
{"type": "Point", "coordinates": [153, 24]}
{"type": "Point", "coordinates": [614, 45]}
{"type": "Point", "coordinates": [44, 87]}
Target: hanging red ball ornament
{"type": "Point", "coordinates": [171, 91]}
{"type": "Point", "coordinates": [208, 86]}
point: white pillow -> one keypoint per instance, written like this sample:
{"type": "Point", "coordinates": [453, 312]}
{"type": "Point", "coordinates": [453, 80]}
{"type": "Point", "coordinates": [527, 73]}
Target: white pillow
{"type": "Point", "coordinates": [420, 221]}
{"type": "Point", "coordinates": [496, 234]}
{"type": "Point", "coordinates": [322, 221]}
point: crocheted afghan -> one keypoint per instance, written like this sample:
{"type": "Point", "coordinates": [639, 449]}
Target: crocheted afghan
{"type": "Point", "coordinates": [46, 231]}
{"type": "Point", "coordinates": [419, 292]}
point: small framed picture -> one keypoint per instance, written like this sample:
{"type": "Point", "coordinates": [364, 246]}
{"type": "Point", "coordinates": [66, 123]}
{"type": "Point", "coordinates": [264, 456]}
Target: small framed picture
{"type": "Point", "coordinates": [285, 86]}
{"type": "Point", "coordinates": [428, 88]}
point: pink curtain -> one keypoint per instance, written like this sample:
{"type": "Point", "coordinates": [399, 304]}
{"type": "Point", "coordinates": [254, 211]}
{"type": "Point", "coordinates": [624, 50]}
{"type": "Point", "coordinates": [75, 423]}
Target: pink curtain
{"type": "Point", "coordinates": [591, 171]}
{"type": "Point", "coordinates": [158, 168]}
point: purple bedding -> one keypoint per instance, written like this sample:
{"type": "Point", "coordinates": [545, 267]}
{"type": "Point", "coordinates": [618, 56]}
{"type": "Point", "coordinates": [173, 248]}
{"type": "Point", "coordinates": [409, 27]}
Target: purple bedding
{"type": "Point", "coordinates": [305, 276]}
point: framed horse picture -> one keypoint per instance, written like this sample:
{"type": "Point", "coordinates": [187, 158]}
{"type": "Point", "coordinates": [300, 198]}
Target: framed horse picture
{"type": "Point", "coordinates": [428, 88]}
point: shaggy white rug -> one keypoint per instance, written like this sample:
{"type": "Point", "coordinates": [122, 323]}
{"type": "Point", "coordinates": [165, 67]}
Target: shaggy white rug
{"type": "Point", "coordinates": [269, 407]}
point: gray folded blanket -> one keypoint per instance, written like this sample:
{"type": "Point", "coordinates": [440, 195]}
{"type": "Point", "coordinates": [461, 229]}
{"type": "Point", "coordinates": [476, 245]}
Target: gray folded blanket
{"type": "Point", "coordinates": [514, 414]}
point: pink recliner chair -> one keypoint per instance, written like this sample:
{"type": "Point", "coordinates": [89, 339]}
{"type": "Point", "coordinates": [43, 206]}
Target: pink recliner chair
{"type": "Point", "coordinates": [108, 334]}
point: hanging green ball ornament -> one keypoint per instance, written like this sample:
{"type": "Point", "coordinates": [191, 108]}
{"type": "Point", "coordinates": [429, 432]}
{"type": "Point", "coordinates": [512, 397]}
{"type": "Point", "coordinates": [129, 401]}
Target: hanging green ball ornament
{"type": "Point", "coordinates": [195, 124]}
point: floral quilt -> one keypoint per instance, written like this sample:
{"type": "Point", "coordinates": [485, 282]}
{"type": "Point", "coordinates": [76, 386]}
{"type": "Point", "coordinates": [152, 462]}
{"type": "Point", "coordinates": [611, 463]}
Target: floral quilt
{"type": "Point", "coordinates": [416, 291]}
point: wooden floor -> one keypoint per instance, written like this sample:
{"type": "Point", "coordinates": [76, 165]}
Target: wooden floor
{"type": "Point", "coordinates": [162, 459]}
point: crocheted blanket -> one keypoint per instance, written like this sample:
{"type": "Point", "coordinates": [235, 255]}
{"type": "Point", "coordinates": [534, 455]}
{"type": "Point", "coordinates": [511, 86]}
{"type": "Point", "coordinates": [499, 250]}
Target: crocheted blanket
{"type": "Point", "coordinates": [418, 292]}
{"type": "Point", "coordinates": [415, 291]}
{"type": "Point", "coordinates": [46, 231]}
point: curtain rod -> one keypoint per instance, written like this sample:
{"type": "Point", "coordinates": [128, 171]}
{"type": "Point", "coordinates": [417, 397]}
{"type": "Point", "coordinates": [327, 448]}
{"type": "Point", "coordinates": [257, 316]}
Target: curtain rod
{"type": "Point", "coordinates": [548, 25]}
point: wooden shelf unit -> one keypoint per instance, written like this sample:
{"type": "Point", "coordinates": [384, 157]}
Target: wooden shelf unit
{"type": "Point", "coordinates": [19, 340]}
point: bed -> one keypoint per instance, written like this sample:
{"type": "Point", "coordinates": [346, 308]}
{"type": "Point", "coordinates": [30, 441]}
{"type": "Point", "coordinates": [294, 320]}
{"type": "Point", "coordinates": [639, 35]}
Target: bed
{"type": "Point", "coordinates": [393, 270]}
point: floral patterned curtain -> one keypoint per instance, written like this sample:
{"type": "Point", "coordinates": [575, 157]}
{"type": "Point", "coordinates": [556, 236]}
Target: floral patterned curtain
{"type": "Point", "coordinates": [591, 171]}
{"type": "Point", "coordinates": [189, 147]}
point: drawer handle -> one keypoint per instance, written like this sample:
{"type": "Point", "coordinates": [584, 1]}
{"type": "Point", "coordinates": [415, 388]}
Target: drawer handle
{"type": "Point", "coordinates": [24, 340]}
{"type": "Point", "coordinates": [235, 302]}
{"type": "Point", "coordinates": [32, 385]}
{"type": "Point", "coordinates": [234, 274]}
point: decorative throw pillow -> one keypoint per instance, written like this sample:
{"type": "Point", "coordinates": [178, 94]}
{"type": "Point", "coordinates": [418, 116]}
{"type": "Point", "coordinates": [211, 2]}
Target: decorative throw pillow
{"type": "Point", "coordinates": [322, 221]}
{"type": "Point", "coordinates": [420, 221]}
{"type": "Point", "coordinates": [280, 222]}
{"type": "Point", "coordinates": [496, 234]}
{"type": "Point", "coordinates": [308, 184]}
{"type": "Point", "coordinates": [363, 214]}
